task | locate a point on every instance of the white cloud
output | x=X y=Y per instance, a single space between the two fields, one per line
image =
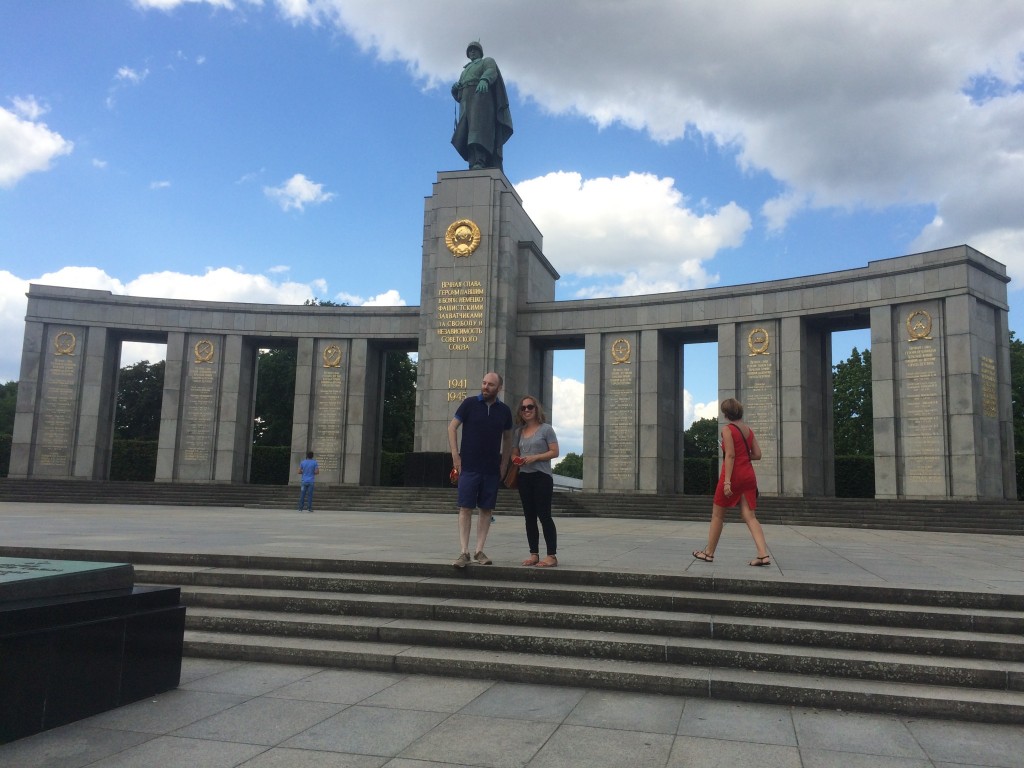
x=848 y=105
x=389 y=298
x=129 y=75
x=27 y=146
x=221 y=284
x=638 y=227
x=159 y=184
x=566 y=414
x=297 y=193
x=170 y=5
x=29 y=108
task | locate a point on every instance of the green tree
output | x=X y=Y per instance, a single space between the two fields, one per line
x=399 y=403
x=701 y=439
x=570 y=466
x=1016 y=390
x=140 y=391
x=851 y=406
x=275 y=397
x=8 y=401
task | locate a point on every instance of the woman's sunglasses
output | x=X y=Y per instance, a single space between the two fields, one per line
x=527 y=407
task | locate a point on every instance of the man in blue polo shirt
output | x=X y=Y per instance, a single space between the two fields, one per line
x=486 y=446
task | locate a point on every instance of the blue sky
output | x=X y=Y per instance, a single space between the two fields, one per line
x=276 y=150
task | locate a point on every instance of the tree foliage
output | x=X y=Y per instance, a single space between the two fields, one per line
x=8 y=401
x=140 y=390
x=852 y=414
x=701 y=439
x=275 y=397
x=399 y=403
x=1017 y=390
x=570 y=466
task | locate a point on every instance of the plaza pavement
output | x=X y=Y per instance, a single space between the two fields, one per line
x=279 y=716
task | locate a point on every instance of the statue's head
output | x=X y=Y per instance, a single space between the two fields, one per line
x=474 y=46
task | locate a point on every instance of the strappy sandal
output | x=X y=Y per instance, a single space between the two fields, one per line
x=759 y=561
x=548 y=562
x=532 y=560
x=700 y=554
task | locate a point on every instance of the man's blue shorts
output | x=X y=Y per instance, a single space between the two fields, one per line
x=478 y=490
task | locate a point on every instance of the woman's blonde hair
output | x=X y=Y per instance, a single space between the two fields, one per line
x=733 y=409
x=542 y=417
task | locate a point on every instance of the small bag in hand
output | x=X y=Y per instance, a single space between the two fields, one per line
x=511 y=479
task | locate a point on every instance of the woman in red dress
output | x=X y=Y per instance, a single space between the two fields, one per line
x=737 y=484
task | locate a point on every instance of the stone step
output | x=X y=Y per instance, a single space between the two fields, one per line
x=812 y=634
x=299 y=584
x=984 y=516
x=941 y=653
x=947 y=702
x=622 y=646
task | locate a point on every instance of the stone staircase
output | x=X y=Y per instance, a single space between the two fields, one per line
x=946 y=515
x=913 y=652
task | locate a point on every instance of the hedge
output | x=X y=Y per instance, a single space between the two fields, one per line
x=270 y=465
x=855 y=477
x=699 y=476
x=133 y=460
x=5 y=454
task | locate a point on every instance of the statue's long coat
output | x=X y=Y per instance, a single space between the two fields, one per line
x=484 y=118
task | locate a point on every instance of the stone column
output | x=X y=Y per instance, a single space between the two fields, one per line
x=755 y=350
x=199 y=412
x=26 y=415
x=235 y=414
x=364 y=416
x=922 y=405
x=883 y=402
x=660 y=424
x=170 y=408
x=302 y=409
x=94 y=438
x=620 y=412
x=49 y=402
x=978 y=460
x=807 y=456
x=593 y=450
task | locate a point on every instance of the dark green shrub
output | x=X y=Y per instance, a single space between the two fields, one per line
x=392 y=468
x=5 y=455
x=855 y=477
x=699 y=476
x=271 y=465
x=133 y=460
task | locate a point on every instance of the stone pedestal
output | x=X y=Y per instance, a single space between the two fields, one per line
x=482 y=261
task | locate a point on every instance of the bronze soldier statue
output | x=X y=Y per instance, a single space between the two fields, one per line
x=485 y=123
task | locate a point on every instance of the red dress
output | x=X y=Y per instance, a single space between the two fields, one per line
x=743 y=480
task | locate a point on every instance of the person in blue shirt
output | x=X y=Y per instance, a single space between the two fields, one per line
x=309 y=469
x=486 y=424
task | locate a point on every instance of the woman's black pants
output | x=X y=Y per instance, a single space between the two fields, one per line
x=535 y=491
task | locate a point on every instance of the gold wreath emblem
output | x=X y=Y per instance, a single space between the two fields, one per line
x=620 y=351
x=758 y=342
x=203 y=351
x=919 y=325
x=462 y=237
x=332 y=356
x=64 y=343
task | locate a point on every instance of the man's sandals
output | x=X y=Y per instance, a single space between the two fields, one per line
x=700 y=554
